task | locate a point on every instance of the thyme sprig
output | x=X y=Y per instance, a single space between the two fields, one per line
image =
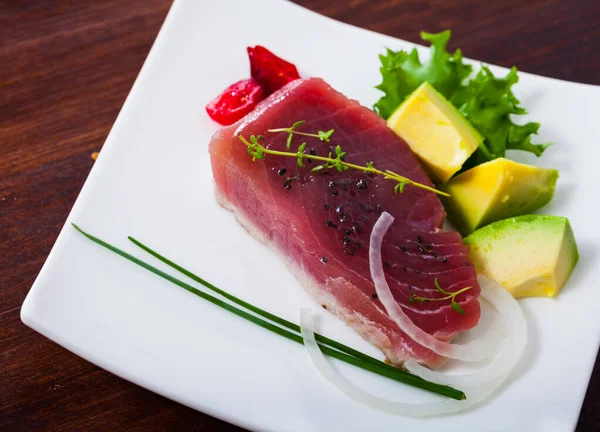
x=447 y=296
x=258 y=151
x=291 y=131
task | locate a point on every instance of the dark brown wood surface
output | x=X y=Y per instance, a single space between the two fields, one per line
x=65 y=70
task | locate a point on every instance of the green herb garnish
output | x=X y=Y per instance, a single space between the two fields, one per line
x=291 y=131
x=335 y=349
x=257 y=151
x=255 y=309
x=447 y=296
x=486 y=101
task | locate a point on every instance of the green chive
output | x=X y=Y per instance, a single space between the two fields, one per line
x=386 y=370
x=281 y=321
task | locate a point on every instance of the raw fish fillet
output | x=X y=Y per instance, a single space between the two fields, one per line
x=319 y=223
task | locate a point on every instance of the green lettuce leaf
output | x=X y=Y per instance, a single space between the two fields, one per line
x=486 y=101
x=402 y=72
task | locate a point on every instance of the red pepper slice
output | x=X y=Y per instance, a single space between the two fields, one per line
x=269 y=70
x=235 y=102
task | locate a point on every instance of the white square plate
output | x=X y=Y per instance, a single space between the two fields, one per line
x=153 y=181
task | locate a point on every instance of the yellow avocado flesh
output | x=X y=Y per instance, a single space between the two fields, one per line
x=531 y=256
x=497 y=190
x=435 y=131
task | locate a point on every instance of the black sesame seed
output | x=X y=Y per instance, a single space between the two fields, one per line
x=339 y=209
x=421 y=249
x=261 y=138
x=330 y=223
x=403 y=268
x=374 y=295
x=312 y=152
x=419 y=239
x=378 y=208
x=335 y=193
x=326 y=206
x=324 y=259
x=282 y=171
x=287 y=184
x=348 y=232
x=387 y=264
x=362 y=184
x=356 y=228
x=403 y=248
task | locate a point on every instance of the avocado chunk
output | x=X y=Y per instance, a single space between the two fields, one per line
x=435 y=131
x=530 y=255
x=497 y=190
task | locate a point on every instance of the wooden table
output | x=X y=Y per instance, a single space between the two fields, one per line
x=65 y=70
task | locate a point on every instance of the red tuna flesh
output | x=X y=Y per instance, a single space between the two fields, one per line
x=319 y=223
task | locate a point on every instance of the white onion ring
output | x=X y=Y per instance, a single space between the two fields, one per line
x=323 y=366
x=427 y=409
x=475 y=395
x=477 y=350
x=513 y=346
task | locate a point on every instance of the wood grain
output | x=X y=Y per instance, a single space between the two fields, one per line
x=65 y=70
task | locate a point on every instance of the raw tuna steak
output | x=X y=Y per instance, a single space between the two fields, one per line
x=319 y=223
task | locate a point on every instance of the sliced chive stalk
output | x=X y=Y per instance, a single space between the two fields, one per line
x=392 y=373
x=281 y=321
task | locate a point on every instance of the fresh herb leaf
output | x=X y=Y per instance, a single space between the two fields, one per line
x=486 y=101
x=399 y=188
x=298 y=123
x=457 y=308
x=300 y=155
x=324 y=136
